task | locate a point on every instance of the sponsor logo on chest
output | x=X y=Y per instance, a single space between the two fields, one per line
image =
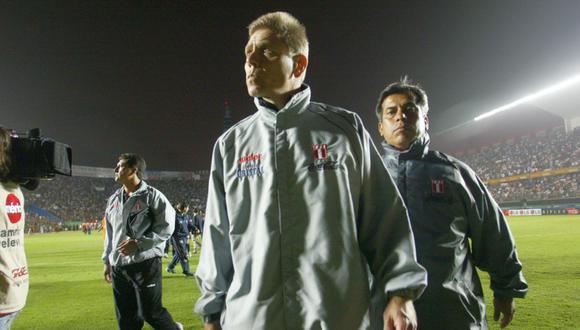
x=250 y=165
x=13 y=208
x=115 y=205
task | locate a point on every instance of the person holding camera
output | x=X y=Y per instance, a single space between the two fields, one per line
x=13 y=265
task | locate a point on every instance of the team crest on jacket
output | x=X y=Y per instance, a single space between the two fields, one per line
x=250 y=165
x=437 y=186
x=322 y=161
x=137 y=207
x=13 y=208
x=319 y=151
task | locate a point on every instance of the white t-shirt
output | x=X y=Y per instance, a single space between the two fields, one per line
x=13 y=267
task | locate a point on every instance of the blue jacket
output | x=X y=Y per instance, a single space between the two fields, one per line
x=449 y=206
x=182 y=225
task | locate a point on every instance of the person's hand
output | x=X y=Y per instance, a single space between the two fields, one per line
x=212 y=326
x=400 y=314
x=128 y=247
x=505 y=306
x=107 y=273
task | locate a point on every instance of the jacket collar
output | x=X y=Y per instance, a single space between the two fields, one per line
x=417 y=150
x=140 y=190
x=297 y=104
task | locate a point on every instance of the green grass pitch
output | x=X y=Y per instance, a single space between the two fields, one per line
x=67 y=290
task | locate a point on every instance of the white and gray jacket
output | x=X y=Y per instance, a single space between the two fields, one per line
x=298 y=210
x=146 y=216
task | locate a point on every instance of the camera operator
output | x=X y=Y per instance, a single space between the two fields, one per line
x=13 y=267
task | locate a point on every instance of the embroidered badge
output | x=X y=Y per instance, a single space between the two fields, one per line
x=437 y=186
x=319 y=151
x=322 y=162
x=250 y=165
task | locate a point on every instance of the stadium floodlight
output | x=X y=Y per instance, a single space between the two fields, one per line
x=531 y=97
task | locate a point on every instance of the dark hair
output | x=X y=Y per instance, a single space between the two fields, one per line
x=134 y=161
x=4 y=160
x=181 y=206
x=407 y=87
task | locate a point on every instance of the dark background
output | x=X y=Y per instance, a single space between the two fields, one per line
x=152 y=76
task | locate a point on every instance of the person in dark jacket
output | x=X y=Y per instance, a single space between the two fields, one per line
x=197 y=229
x=449 y=207
x=179 y=240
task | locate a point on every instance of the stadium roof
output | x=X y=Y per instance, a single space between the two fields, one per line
x=543 y=110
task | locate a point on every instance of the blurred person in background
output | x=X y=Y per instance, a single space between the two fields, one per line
x=449 y=207
x=179 y=239
x=197 y=231
x=13 y=265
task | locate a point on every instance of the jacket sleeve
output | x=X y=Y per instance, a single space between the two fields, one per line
x=493 y=247
x=215 y=270
x=108 y=245
x=385 y=233
x=163 y=222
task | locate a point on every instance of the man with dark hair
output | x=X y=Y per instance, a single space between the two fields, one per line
x=139 y=219
x=179 y=240
x=449 y=207
x=13 y=265
x=197 y=229
x=298 y=210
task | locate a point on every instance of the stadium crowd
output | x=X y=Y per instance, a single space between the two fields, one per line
x=546 y=188
x=551 y=150
x=82 y=199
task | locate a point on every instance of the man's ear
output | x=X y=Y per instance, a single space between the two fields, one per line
x=426 y=119
x=380 y=126
x=300 y=65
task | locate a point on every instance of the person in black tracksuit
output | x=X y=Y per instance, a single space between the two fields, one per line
x=179 y=240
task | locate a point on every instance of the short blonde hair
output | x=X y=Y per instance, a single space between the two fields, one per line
x=286 y=27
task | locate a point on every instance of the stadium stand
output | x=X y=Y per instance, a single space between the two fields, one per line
x=548 y=150
x=544 y=166
x=64 y=201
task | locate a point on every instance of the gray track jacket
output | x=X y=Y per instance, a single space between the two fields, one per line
x=448 y=206
x=297 y=206
x=146 y=216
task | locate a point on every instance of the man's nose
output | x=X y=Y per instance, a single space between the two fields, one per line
x=252 y=58
x=401 y=115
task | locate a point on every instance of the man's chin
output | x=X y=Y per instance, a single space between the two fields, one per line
x=253 y=90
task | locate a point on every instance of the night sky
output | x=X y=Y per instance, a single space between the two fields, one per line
x=152 y=76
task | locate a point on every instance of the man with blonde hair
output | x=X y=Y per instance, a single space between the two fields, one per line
x=298 y=210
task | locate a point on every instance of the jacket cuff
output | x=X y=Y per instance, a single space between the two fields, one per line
x=210 y=318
